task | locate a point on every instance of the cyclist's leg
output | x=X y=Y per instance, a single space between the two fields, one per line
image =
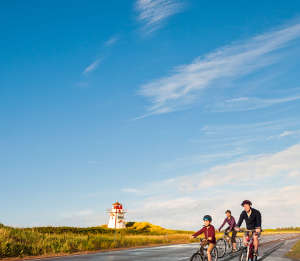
x=255 y=241
x=233 y=239
x=245 y=239
x=227 y=231
x=227 y=237
x=209 y=249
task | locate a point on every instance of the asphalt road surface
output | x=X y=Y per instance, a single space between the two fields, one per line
x=163 y=253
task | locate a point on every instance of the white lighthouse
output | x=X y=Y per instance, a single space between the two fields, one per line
x=117 y=216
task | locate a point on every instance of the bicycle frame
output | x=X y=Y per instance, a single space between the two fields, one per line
x=250 y=246
x=203 y=248
x=228 y=239
x=250 y=243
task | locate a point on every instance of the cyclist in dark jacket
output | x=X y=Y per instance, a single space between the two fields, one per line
x=252 y=218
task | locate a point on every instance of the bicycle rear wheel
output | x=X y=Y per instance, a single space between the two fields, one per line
x=196 y=257
x=221 y=247
x=228 y=247
x=239 y=242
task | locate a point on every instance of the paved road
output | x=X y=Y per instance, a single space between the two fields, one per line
x=163 y=253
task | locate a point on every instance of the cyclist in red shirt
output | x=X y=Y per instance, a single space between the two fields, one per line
x=209 y=233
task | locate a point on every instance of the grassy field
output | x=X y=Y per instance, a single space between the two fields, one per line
x=50 y=241
x=295 y=251
x=41 y=241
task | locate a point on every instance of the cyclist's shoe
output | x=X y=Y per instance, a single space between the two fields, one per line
x=256 y=256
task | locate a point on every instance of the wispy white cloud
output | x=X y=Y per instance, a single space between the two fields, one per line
x=111 y=41
x=152 y=13
x=95 y=64
x=253 y=168
x=187 y=82
x=92 y=67
x=248 y=103
x=284 y=134
x=270 y=180
x=186 y=212
x=201 y=158
x=246 y=136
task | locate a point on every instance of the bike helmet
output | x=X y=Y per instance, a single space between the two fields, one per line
x=246 y=202
x=207 y=217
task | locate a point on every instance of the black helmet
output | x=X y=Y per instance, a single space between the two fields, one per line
x=246 y=202
x=207 y=217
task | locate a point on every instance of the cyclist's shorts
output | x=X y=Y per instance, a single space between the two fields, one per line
x=233 y=240
x=254 y=233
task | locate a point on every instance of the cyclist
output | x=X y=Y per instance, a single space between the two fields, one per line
x=252 y=218
x=231 y=222
x=210 y=235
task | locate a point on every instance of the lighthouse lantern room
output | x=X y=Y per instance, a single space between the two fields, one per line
x=117 y=216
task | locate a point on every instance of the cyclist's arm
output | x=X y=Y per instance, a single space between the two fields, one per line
x=258 y=220
x=241 y=219
x=198 y=232
x=213 y=236
x=223 y=224
x=232 y=224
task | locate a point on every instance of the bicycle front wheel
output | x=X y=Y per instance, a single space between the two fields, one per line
x=214 y=254
x=221 y=247
x=196 y=257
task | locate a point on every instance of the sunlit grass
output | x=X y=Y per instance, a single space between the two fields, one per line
x=295 y=251
x=28 y=242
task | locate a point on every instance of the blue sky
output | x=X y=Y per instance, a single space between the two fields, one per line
x=175 y=108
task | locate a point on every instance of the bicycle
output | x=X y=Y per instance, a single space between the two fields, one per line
x=247 y=253
x=201 y=254
x=224 y=244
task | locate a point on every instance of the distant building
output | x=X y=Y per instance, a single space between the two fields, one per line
x=117 y=216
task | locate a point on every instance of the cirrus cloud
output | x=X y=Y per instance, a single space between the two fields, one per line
x=153 y=13
x=186 y=83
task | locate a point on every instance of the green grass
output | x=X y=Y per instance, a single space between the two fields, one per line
x=295 y=251
x=285 y=229
x=132 y=228
x=20 y=242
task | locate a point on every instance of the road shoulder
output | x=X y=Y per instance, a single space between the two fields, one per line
x=280 y=254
